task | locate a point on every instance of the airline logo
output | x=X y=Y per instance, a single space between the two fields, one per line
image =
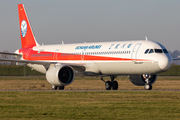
x=23 y=28
x=88 y=47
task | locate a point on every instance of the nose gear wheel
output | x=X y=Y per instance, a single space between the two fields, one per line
x=147 y=78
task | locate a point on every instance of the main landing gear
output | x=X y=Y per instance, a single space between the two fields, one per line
x=147 y=85
x=111 y=84
x=55 y=87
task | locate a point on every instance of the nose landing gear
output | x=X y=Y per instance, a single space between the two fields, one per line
x=147 y=78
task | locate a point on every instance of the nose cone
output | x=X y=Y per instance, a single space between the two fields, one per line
x=165 y=62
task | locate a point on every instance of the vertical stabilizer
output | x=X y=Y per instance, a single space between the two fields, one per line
x=27 y=37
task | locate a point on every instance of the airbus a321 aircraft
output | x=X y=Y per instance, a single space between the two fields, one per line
x=140 y=60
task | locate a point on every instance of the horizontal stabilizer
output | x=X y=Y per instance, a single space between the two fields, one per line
x=178 y=58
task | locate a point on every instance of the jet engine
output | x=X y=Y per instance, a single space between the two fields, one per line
x=60 y=75
x=139 y=80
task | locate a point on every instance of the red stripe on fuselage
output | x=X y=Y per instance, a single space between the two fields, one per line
x=29 y=54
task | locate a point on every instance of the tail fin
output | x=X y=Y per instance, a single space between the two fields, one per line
x=27 y=37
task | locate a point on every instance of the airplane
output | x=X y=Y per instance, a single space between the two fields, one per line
x=140 y=60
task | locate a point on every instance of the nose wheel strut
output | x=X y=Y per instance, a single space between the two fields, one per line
x=147 y=78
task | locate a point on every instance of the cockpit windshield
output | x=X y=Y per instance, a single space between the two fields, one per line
x=158 y=51
x=146 y=51
x=165 y=51
x=149 y=51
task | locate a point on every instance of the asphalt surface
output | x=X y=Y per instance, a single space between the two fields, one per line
x=81 y=90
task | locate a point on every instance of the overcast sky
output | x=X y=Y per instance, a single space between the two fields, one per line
x=74 y=21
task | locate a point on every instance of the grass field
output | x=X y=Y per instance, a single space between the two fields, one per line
x=105 y=105
x=87 y=105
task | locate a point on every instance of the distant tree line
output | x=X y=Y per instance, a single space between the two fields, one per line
x=14 y=70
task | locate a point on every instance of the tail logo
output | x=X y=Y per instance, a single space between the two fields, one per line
x=23 y=28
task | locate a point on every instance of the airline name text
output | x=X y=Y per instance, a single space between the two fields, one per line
x=88 y=47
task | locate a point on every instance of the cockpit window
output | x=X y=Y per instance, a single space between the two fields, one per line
x=146 y=51
x=158 y=51
x=151 y=51
x=165 y=51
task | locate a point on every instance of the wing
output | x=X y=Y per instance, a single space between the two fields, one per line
x=26 y=61
x=6 y=53
x=76 y=66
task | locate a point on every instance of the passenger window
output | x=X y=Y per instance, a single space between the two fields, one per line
x=146 y=51
x=151 y=51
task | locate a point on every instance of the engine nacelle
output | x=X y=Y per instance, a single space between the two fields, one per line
x=60 y=75
x=140 y=81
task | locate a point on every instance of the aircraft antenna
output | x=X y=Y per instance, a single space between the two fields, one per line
x=62 y=43
x=146 y=38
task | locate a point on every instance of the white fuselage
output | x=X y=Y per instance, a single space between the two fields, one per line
x=105 y=58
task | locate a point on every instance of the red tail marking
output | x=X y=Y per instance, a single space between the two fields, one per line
x=27 y=37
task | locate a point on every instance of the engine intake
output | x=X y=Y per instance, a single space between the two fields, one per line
x=139 y=80
x=60 y=75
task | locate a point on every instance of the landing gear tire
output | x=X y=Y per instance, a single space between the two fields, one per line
x=108 y=85
x=115 y=85
x=61 y=87
x=111 y=84
x=54 y=87
x=147 y=86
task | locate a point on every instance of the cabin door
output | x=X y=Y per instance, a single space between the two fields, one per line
x=82 y=54
x=55 y=55
x=27 y=53
x=135 y=51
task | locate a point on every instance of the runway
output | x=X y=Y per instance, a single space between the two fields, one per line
x=82 y=90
